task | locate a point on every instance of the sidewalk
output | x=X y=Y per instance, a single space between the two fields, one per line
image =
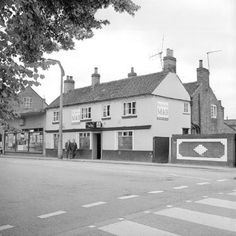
x=41 y=157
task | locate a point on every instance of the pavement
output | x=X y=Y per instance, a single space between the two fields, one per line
x=41 y=157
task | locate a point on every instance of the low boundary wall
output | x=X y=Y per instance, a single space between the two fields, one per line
x=214 y=149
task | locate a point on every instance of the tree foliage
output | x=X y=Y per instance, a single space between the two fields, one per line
x=31 y=28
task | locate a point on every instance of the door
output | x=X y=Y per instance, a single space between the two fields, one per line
x=96 y=151
x=99 y=146
x=160 y=149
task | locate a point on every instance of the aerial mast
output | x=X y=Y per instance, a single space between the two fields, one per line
x=208 y=60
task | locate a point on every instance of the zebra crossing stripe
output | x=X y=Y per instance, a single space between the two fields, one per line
x=218 y=203
x=4 y=227
x=233 y=193
x=130 y=228
x=214 y=221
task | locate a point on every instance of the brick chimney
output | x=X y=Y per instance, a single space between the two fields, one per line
x=69 y=84
x=169 y=61
x=95 y=77
x=132 y=73
x=202 y=75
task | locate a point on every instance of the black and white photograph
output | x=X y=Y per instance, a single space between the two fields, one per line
x=117 y=117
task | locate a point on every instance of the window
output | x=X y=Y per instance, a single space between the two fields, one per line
x=213 y=111
x=185 y=130
x=186 y=107
x=56 y=116
x=55 y=140
x=86 y=113
x=125 y=140
x=75 y=116
x=106 y=111
x=27 y=102
x=84 y=140
x=129 y=108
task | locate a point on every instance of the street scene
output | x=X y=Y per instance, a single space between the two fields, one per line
x=117 y=117
x=53 y=197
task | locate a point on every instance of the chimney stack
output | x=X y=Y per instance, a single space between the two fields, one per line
x=203 y=75
x=69 y=84
x=132 y=73
x=95 y=77
x=169 y=61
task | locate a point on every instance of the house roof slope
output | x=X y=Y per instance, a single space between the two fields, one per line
x=129 y=87
x=191 y=87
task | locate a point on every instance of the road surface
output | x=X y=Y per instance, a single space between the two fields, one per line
x=58 y=197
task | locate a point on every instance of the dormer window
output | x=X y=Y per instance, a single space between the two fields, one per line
x=27 y=102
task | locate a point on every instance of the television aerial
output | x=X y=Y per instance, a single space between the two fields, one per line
x=159 y=53
x=208 y=60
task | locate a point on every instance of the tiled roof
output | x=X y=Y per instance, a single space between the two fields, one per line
x=230 y=122
x=191 y=87
x=129 y=87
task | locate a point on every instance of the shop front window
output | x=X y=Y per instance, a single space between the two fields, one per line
x=10 y=142
x=36 y=142
x=84 y=140
x=22 y=141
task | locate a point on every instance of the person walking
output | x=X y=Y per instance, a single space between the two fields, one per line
x=73 y=149
x=67 y=148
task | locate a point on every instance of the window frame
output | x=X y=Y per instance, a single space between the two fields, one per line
x=86 y=113
x=130 y=108
x=125 y=133
x=106 y=111
x=213 y=111
x=84 y=135
x=27 y=102
x=56 y=117
x=186 y=108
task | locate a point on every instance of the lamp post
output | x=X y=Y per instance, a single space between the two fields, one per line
x=60 y=154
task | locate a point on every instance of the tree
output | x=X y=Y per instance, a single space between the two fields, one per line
x=31 y=28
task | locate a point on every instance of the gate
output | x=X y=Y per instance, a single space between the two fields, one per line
x=160 y=149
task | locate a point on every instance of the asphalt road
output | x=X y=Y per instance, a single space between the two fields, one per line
x=58 y=197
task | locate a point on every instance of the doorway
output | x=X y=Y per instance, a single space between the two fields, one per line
x=97 y=146
x=160 y=149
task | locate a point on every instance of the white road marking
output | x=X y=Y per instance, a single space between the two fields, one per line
x=215 y=221
x=92 y=226
x=203 y=183
x=233 y=193
x=121 y=218
x=129 y=228
x=190 y=177
x=169 y=205
x=51 y=214
x=188 y=201
x=218 y=203
x=220 y=193
x=93 y=204
x=180 y=187
x=4 y=227
x=127 y=197
x=221 y=180
x=156 y=191
x=205 y=196
x=146 y=212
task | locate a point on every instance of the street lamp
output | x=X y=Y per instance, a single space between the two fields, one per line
x=60 y=154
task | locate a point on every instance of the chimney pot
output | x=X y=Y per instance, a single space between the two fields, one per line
x=95 y=77
x=200 y=64
x=169 y=61
x=132 y=73
x=203 y=75
x=69 y=84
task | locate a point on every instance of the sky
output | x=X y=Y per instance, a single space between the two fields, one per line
x=190 y=27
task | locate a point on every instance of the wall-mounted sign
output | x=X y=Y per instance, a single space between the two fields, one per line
x=75 y=116
x=93 y=125
x=162 y=111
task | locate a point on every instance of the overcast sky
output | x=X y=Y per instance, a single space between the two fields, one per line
x=190 y=27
